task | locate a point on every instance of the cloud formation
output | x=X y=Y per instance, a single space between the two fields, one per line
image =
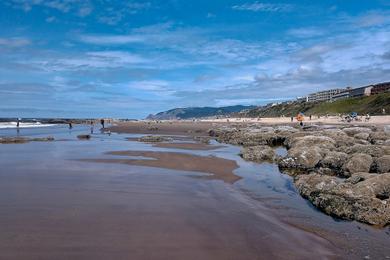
x=152 y=56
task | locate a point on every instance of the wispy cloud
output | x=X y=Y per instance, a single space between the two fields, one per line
x=306 y=32
x=110 y=39
x=14 y=42
x=83 y=8
x=263 y=7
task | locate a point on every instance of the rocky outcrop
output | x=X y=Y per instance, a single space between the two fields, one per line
x=154 y=139
x=302 y=158
x=84 y=137
x=334 y=161
x=312 y=140
x=258 y=153
x=382 y=164
x=21 y=140
x=344 y=172
x=351 y=131
x=359 y=162
x=366 y=198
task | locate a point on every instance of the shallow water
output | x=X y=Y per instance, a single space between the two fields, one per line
x=53 y=206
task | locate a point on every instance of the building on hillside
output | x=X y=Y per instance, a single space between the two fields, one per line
x=341 y=95
x=360 y=92
x=302 y=99
x=380 y=88
x=325 y=95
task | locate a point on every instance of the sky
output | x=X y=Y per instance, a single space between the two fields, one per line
x=127 y=59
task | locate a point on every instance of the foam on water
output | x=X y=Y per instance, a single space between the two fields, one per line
x=4 y=125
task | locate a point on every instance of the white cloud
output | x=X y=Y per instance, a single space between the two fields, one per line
x=263 y=7
x=307 y=32
x=14 y=42
x=110 y=39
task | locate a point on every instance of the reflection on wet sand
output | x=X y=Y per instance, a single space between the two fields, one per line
x=188 y=146
x=219 y=168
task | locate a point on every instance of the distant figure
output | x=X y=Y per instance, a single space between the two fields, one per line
x=70 y=125
x=102 y=122
x=17 y=123
x=300 y=119
x=292 y=119
x=368 y=117
x=384 y=111
x=310 y=117
x=91 y=127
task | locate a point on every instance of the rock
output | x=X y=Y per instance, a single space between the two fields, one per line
x=284 y=128
x=373 y=150
x=358 y=177
x=378 y=137
x=84 y=137
x=359 y=162
x=302 y=158
x=13 y=140
x=351 y=131
x=386 y=129
x=202 y=139
x=334 y=160
x=21 y=140
x=312 y=140
x=42 y=139
x=382 y=164
x=258 y=153
x=365 y=200
x=154 y=139
x=362 y=136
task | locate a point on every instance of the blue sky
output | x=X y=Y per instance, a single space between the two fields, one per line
x=126 y=59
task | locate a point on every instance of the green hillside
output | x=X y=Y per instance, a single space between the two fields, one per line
x=362 y=105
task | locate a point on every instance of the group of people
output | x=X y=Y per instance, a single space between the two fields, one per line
x=102 y=122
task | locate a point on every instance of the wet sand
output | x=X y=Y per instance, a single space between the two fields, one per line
x=187 y=128
x=188 y=146
x=113 y=205
x=218 y=168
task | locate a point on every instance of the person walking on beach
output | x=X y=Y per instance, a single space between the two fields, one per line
x=102 y=122
x=70 y=125
x=91 y=127
x=17 y=123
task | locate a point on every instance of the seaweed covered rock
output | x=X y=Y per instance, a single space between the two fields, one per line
x=351 y=131
x=302 y=158
x=382 y=164
x=258 y=153
x=154 y=139
x=334 y=160
x=359 y=162
x=366 y=200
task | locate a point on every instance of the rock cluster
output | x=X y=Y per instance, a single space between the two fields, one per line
x=154 y=139
x=21 y=140
x=344 y=171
